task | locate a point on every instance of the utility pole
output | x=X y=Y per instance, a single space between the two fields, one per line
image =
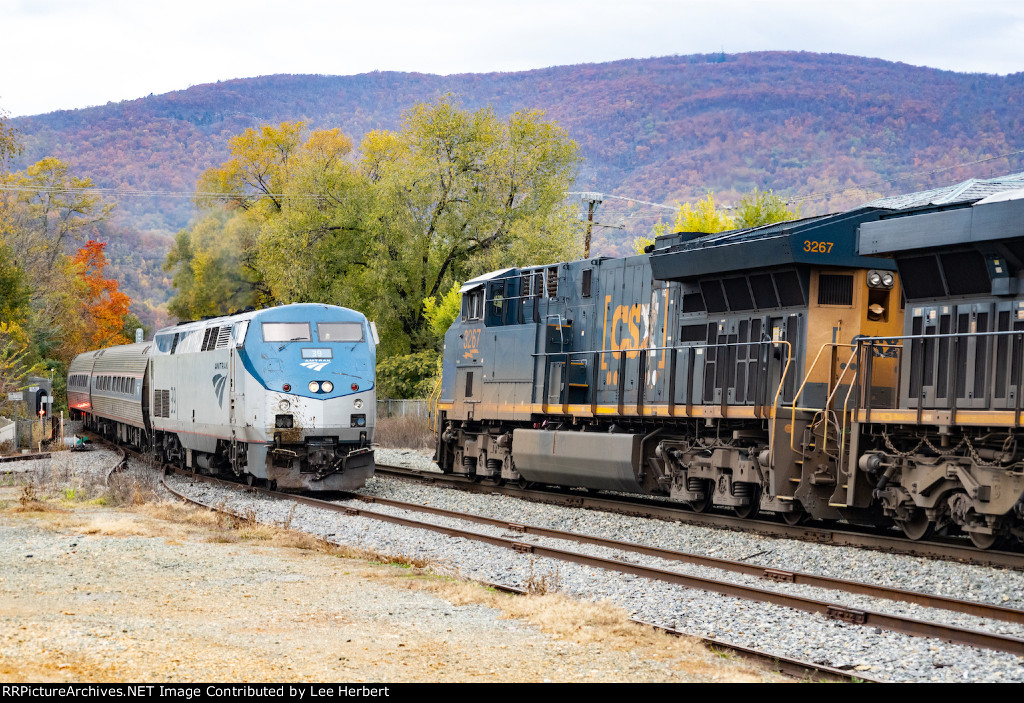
x=593 y=200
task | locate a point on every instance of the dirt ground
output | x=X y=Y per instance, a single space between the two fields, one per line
x=163 y=592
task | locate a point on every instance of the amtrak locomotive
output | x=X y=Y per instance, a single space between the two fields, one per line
x=283 y=396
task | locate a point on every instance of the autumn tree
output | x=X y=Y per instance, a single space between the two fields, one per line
x=105 y=306
x=754 y=209
x=758 y=208
x=10 y=147
x=451 y=194
x=209 y=271
x=456 y=193
x=48 y=210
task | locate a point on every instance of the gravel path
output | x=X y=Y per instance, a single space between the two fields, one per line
x=879 y=654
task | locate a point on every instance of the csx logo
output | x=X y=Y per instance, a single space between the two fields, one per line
x=882 y=348
x=625 y=329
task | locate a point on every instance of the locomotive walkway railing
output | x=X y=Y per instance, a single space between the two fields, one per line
x=957 y=362
x=723 y=381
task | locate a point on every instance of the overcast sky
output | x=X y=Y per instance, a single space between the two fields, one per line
x=62 y=54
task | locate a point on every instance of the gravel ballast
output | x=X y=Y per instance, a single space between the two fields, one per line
x=879 y=654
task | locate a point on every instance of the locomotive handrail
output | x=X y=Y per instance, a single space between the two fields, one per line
x=956 y=339
x=642 y=352
x=432 y=400
x=832 y=391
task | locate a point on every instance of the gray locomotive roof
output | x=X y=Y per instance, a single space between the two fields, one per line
x=688 y=255
x=968 y=191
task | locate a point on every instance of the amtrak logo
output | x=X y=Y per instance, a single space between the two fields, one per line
x=315 y=365
x=218 y=388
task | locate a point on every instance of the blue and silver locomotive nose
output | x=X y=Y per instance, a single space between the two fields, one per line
x=315 y=366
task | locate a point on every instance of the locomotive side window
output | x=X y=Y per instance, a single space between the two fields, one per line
x=790 y=291
x=965 y=272
x=473 y=306
x=339 y=331
x=921 y=277
x=286 y=332
x=588 y=275
x=693 y=302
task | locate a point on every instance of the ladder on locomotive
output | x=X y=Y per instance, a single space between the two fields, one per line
x=824 y=439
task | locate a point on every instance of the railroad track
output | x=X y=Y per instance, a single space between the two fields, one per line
x=24 y=457
x=790 y=667
x=885 y=621
x=905 y=625
x=848 y=536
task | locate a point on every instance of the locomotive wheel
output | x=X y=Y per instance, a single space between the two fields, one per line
x=918 y=526
x=982 y=540
x=752 y=508
x=704 y=504
x=797 y=517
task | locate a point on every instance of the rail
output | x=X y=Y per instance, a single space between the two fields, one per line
x=788 y=666
x=885 y=621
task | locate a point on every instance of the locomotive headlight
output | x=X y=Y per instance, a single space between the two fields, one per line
x=357 y=403
x=314 y=387
x=284 y=405
x=887 y=280
x=327 y=386
x=874 y=278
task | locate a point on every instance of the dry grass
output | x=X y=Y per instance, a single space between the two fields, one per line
x=403 y=433
x=541 y=583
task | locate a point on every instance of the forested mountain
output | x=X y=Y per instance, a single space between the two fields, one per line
x=657 y=129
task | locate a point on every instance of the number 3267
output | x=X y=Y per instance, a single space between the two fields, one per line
x=820 y=247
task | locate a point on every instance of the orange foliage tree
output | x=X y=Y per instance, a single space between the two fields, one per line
x=105 y=306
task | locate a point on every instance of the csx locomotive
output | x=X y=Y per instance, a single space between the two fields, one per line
x=864 y=366
x=285 y=396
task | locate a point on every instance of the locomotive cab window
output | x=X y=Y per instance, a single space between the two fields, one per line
x=286 y=332
x=495 y=303
x=339 y=331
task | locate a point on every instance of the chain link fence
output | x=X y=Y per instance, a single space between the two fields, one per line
x=403 y=408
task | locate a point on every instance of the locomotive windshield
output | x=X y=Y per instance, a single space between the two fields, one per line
x=286 y=332
x=340 y=331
